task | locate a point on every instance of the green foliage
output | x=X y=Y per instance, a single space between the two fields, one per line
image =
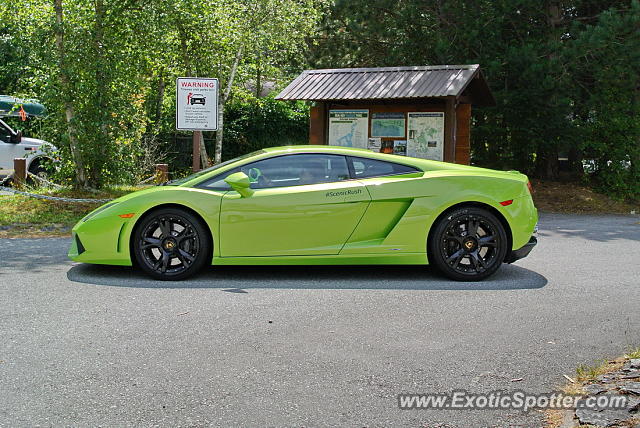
x=107 y=71
x=264 y=122
x=565 y=74
x=607 y=66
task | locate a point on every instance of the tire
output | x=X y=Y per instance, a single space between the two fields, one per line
x=171 y=244
x=468 y=244
x=39 y=169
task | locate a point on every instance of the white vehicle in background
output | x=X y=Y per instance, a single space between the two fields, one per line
x=14 y=145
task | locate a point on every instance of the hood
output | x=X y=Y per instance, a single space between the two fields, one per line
x=34 y=142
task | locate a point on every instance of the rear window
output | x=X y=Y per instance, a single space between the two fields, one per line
x=368 y=168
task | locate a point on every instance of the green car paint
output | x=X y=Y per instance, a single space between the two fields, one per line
x=379 y=220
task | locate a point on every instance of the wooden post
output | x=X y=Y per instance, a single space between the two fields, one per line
x=196 y=150
x=162 y=172
x=450 y=129
x=317 y=124
x=463 y=126
x=19 y=171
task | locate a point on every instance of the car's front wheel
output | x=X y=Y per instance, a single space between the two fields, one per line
x=468 y=244
x=171 y=244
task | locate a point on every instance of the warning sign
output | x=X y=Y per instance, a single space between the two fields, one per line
x=196 y=104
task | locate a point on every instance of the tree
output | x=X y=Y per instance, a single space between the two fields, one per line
x=538 y=58
x=105 y=82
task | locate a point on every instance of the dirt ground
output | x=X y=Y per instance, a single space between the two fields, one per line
x=572 y=198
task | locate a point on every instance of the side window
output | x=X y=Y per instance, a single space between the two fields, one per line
x=289 y=170
x=218 y=182
x=367 y=168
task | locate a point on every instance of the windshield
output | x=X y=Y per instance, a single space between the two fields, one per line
x=182 y=180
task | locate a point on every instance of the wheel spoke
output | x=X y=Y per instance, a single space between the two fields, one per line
x=183 y=237
x=472 y=227
x=182 y=254
x=474 y=260
x=151 y=243
x=165 y=261
x=478 y=258
x=165 y=228
x=487 y=241
x=455 y=258
x=450 y=236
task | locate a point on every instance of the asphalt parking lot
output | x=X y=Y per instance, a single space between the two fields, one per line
x=89 y=345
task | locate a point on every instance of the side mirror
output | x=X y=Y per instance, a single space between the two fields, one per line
x=239 y=181
x=16 y=138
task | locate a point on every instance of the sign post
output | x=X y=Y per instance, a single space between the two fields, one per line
x=196 y=109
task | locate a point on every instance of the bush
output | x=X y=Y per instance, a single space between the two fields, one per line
x=251 y=125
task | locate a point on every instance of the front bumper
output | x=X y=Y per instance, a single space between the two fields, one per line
x=521 y=252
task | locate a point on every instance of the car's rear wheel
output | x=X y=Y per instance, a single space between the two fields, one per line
x=171 y=244
x=468 y=244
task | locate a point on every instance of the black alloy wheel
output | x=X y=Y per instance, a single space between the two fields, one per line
x=171 y=244
x=469 y=244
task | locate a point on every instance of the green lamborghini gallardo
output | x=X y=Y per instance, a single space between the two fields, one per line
x=317 y=205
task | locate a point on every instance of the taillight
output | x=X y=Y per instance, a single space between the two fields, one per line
x=530 y=187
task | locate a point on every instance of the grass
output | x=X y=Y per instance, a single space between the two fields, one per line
x=633 y=354
x=23 y=216
x=586 y=374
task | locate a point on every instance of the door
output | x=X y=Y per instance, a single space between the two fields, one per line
x=386 y=226
x=303 y=204
x=9 y=151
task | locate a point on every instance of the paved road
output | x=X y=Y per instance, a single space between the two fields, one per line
x=85 y=346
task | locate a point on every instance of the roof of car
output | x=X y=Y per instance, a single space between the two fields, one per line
x=346 y=151
x=315 y=148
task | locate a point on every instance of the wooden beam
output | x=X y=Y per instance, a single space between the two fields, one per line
x=19 y=171
x=162 y=173
x=196 y=150
x=463 y=128
x=317 y=124
x=450 y=129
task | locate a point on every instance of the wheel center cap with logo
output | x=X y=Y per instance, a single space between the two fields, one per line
x=170 y=244
x=469 y=244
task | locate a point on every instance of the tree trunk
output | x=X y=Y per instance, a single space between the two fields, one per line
x=575 y=162
x=221 y=103
x=65 y=85
x=218 y=149
x=159 y=101
x=547 y=161
x=258 y=76
x=100 y=93
x=204 y=158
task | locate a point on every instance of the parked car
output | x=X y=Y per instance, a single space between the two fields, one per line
x=317 y=205
x=14 y=145
x=198 y=99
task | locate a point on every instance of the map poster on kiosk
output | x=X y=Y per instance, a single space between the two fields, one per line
x=425 y=137
x=387 y=125
x=349 y=128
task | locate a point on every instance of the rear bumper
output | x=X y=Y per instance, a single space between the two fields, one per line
x=521 y=252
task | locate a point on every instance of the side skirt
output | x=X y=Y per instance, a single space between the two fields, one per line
x=351 y=259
